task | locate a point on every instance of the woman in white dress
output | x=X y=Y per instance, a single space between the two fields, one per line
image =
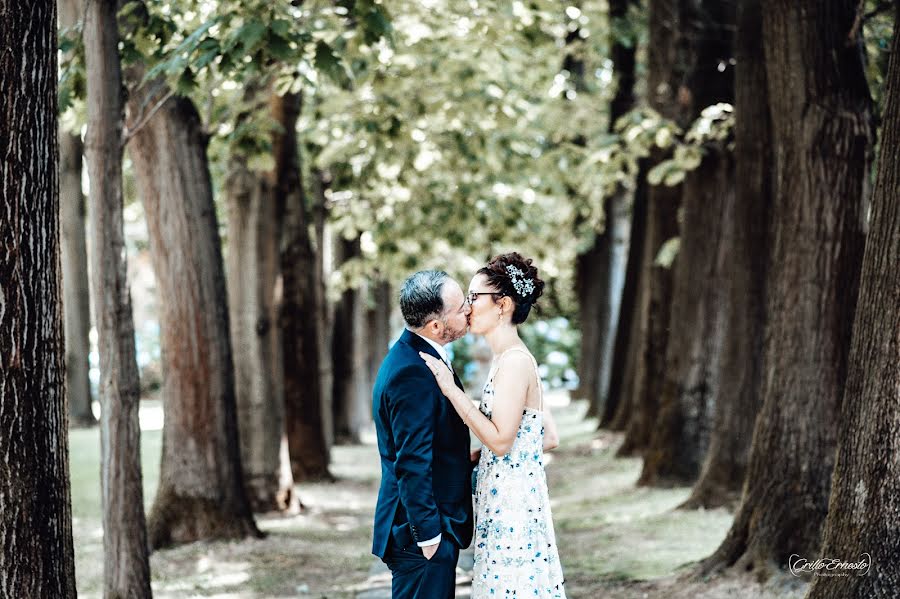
x=515 y=545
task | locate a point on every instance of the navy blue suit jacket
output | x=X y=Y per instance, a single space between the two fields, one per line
x=424 y=447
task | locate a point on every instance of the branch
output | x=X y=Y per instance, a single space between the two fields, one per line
x=862 y=17
x=132 y=131
x=857 y=24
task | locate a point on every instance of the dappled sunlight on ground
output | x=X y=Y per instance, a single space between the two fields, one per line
x=616 y=540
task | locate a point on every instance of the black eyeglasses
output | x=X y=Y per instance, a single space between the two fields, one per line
x=473 y=295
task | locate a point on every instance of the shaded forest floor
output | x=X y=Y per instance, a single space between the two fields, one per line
x=616 y=541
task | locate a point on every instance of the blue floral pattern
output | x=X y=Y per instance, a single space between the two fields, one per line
x=515 y=546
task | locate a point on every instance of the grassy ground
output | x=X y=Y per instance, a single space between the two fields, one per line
x=616 y=541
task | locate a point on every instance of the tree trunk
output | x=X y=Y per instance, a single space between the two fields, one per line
x=652 y=331
x=617 y=225
x=126 y=559
x=378 y=331
x=680 y=436
x=324 y=249
x=591 y=276
x=652 y=310
x=821 y=133
x=744 y=244
x=201 y=493
x=864 y=510
x=598 y=269
x=616 y=406
x=37 y=559
x=76 y=289
x=686 y=386
x=352 y=402
x=300 y=333
x=253 y=269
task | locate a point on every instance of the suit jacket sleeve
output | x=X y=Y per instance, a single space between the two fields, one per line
x=414 y=406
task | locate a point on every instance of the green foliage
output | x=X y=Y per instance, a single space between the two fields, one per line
x=72 y=77
x=667 y=253
x=450 y=130
x=877 y=33
x=455 y=141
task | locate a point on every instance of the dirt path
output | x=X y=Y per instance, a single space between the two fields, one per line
x=616 y=541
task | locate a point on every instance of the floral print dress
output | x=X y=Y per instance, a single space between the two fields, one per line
x=515 y=546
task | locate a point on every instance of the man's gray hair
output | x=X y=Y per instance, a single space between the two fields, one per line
x=421 y=298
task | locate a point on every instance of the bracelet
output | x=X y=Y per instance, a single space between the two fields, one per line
x=468 y=413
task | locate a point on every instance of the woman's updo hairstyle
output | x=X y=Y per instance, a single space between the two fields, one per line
x=515 y=277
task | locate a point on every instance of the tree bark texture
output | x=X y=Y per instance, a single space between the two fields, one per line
x=299 y=331
x=821 y=135
x=603 y=283
x=201 y=493
x=126 y=559
x=37 y=559
x=680 y=436
x=744 y=245
x=653 y=324
x=616 y=406
x=76 y=288
x=864 y=510
x=352 y=399
x=253 y=277
x=648 y=358
x=618 y=212
x=591 y=276
x=325 y=312
x=617 y=234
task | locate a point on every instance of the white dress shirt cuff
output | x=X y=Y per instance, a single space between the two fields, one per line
x=430 y=542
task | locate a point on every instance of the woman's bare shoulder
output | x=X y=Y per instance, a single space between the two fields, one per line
x=514 y=362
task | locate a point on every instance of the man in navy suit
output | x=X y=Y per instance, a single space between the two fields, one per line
x=424 y=511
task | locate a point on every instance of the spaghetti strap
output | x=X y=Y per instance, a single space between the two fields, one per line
x=537 y=374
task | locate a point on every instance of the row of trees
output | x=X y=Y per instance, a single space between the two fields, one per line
x=767 y=351
x=225 y=100
x=339 y=169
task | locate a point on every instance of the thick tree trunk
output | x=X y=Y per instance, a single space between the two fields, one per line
x=201 y=492
x=821 y=134
x=652 y=310
x=300 y=333
x=76 y=289
x=680 y=436
x=692 y=336
x=864 y=510
x=653 y=325
x=253 y=269
x=126 y=559
x=744 y=246
x=37 y=559
x=352 y=401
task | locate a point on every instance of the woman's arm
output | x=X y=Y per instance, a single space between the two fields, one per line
x=498 y=432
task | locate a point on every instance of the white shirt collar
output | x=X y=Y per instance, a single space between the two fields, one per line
x=437 y=346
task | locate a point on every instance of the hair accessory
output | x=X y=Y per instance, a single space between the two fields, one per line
x=524 y=286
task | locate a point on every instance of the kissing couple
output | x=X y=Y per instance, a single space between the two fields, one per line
x=423 y=417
